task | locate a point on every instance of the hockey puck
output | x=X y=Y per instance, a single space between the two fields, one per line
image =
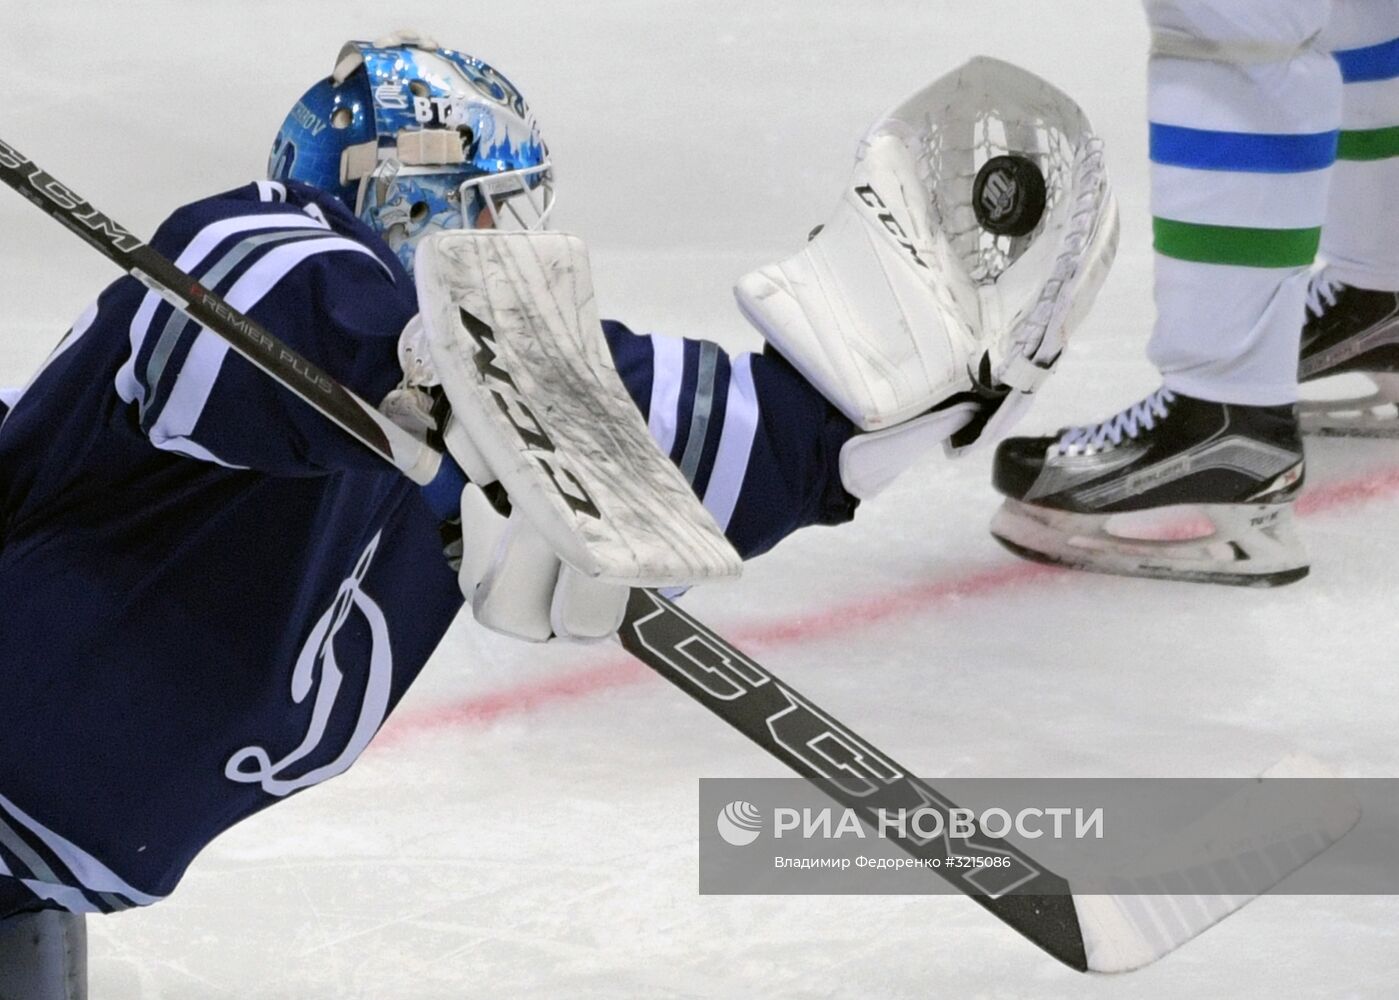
x=1008 y=195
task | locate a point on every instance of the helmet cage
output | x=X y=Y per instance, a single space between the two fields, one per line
x=405 y=203
x=526 y=194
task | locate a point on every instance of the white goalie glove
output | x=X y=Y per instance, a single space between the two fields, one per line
x=569 y=504
x=972 y=238
x=518 y=585
x=514 y=581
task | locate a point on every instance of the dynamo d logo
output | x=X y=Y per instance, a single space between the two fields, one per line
x=740 y=823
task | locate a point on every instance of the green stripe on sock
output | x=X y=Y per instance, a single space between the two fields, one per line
x=1369 y=144
x=1236 y=245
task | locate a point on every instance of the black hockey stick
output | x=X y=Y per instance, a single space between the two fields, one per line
x=1036 y=902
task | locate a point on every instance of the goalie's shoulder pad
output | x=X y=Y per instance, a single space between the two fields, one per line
x=869 y=311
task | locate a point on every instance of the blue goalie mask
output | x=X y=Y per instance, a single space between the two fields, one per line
x=417 y=138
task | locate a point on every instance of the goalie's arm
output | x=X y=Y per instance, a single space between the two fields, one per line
x=757 y=443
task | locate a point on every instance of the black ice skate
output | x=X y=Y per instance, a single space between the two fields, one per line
x=1351 y=330
x=1239 y=466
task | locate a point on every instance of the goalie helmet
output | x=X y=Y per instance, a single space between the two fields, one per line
x=416 y=138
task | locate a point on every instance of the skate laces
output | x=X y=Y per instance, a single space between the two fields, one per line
x=1321 y=292
x=1129 y=423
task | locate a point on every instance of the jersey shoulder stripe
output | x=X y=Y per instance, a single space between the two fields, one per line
x=244 y=246
x=193 y=259
x=170 y=425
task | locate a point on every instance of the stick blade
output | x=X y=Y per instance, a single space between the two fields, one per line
x=1125 y=931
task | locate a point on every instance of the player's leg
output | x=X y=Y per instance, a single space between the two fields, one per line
x=1244 y=107
x=43 y=953
x=1353 y=310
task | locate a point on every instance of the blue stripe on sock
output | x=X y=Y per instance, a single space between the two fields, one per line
x=1373 y=62
x=1245 y=152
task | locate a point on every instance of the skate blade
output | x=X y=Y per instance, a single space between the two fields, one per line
x=1350 y=425
x=1253 y=545
x=1373 y=415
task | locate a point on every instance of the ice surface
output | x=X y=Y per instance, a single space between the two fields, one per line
x=526 y=824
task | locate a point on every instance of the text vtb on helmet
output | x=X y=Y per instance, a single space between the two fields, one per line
x=415 y=138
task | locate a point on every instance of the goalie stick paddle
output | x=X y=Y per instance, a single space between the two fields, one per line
x=1088 y=933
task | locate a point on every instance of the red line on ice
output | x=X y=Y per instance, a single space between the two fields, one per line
x=621 y=670
x=1349 y=493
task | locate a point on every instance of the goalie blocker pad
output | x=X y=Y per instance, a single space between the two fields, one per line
x=513 y=330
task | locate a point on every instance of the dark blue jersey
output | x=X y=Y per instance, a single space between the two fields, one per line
x=211 y=598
